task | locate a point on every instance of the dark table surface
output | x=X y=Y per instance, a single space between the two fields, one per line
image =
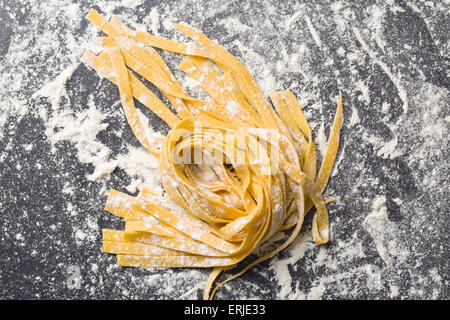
x=389 y=223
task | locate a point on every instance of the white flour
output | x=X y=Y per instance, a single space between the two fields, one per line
x=41 y=71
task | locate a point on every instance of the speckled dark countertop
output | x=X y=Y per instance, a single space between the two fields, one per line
x=390 y=223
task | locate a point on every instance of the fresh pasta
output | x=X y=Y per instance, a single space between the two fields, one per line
x=236 y=170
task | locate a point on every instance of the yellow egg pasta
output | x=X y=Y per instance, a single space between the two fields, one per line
x=236 y=170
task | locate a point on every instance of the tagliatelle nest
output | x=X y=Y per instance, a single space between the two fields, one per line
x=236 y=170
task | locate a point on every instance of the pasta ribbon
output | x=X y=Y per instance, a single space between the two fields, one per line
x=235 y=171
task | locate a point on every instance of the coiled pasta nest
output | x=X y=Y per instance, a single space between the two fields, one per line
x=236 y=171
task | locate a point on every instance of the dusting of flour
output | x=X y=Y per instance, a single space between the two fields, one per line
x=389 y=180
